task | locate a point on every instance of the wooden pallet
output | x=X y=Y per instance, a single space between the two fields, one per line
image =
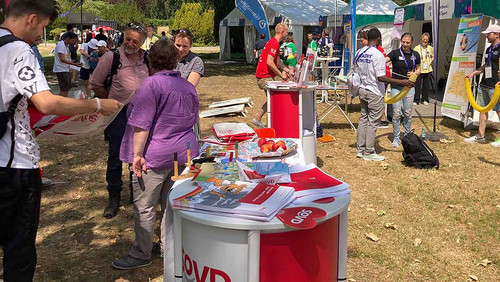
x=246 y=101
x=237 y=109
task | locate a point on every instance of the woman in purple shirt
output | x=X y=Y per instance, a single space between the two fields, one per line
x=160 y=124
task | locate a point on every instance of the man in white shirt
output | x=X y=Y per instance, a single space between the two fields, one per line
x=370 y=65
x=20 y=181
x=62 y=61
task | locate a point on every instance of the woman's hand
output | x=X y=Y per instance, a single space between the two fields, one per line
x=139 y=165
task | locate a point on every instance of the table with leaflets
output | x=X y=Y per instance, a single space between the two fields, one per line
x=210 y=247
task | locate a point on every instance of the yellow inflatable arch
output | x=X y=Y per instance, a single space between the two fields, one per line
x=391 y=100
x=473 y=102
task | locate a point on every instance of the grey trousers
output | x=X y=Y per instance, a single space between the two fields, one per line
x=149 y=191
x=372 y=107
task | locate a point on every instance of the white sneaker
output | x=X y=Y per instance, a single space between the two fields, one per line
x=359 y=155
x=373 y=157
x=425 y=103
x=496 y=143
x=257 y=123
x=476 y=139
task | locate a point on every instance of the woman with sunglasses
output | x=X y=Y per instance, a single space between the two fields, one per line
x=190 y=65
x=405 y=62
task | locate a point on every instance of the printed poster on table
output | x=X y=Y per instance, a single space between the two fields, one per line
x=455 y=102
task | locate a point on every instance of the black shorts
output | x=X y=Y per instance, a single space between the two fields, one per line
x=85 y=73
x=64 y=79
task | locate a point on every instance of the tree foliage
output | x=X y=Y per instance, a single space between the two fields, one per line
x=200 y=22
x=156 y=12
x=123 y=13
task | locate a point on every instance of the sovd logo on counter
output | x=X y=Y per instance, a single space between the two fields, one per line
x=300 y=217
x=194 y=272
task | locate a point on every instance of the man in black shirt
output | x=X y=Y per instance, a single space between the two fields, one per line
x=487 y=86
x=101 y=35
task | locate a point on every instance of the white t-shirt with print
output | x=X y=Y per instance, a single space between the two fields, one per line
x=370 y=66
x=21 y=74
x=84 y=60
x=59 y=66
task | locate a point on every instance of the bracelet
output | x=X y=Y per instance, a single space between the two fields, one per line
x=98 y=109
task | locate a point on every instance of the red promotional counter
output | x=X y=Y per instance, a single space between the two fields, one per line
x=291 y=111
x=222 y=249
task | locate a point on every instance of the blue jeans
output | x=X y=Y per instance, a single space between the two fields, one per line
x=484 y=95
x=113 y=134
x=401 y=107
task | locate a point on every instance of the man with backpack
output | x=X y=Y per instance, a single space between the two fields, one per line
x=369 y=64
x=119 y=75
x=20 y=180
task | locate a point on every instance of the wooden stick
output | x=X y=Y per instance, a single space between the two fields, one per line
x=188 y=151
x=207 y=150
x=176 y=165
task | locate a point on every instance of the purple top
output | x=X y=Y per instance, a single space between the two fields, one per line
x=167 y=106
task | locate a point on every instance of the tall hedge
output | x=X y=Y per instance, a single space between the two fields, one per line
x=199 y=22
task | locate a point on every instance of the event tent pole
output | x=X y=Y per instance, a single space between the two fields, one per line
x=335 y=25
x=81 y=21
x=434 y=135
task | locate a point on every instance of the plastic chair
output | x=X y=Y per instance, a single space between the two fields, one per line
x=265 y=132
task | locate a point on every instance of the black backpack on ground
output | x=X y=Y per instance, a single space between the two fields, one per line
x=417 y=153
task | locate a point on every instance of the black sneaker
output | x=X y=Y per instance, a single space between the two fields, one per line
x=383 y=124
x=157 y=249
x=114 y=204
x=129 y=262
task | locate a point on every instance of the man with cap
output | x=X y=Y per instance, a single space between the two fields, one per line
x=101 y=45
x=487 y=86
x=86 y=70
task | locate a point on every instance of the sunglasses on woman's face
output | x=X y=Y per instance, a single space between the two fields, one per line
x=136 y=27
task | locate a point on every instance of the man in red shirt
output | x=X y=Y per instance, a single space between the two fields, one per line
x=267 y=67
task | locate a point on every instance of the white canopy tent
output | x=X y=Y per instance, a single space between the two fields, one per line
x=371 y=13
x=295 y=13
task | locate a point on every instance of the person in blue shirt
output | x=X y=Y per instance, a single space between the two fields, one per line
x=38 y=56
x=259 y=45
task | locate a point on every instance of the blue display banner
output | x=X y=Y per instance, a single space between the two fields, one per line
x=353 y=25
x=253 y=10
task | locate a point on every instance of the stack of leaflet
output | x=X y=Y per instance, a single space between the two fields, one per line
x=256 y=201
x=231 y=132
x=311 y=184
